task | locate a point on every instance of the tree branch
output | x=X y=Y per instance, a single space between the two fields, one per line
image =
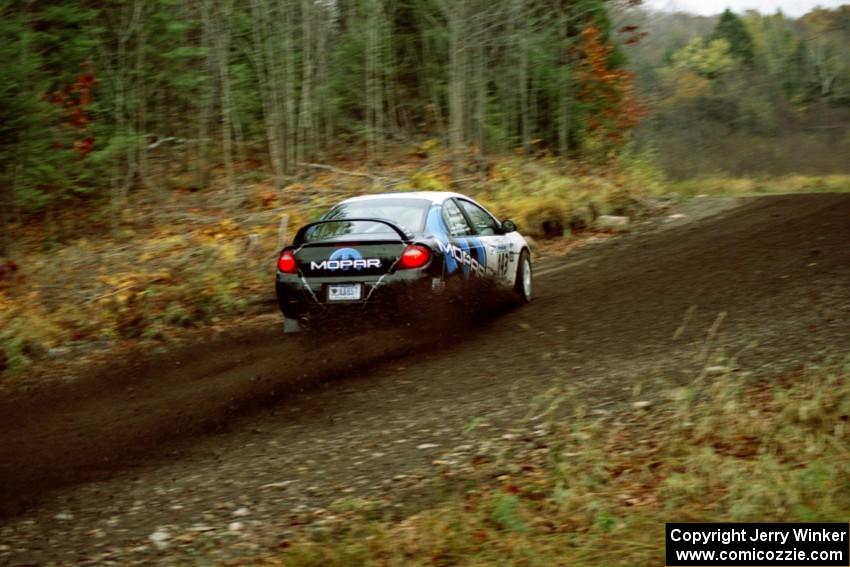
x=346 y=172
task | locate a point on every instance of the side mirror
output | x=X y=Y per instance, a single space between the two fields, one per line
x=508 y=226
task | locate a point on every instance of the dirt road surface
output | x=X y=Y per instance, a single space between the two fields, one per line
x=203 y=446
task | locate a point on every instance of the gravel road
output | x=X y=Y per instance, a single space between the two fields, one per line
x=204 y=452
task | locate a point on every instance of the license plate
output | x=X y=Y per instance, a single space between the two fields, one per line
x=344 y=292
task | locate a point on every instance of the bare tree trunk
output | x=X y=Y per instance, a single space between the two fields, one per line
x=565 y=84
x=378 y=99
x=6 y=220
x=509 y=83
x=222 y=43
x=522 y=77
x=279 y=57
x=6 y=193
x=265 y=77
x=481 y=89
x=374 y=98
x=202 y=158
x=392 y=97
x=305 y=115
x=122 y=163
x=142 y=104
x=564 y=122
x=431 y=93
x=287 y=83
x=323 y=78
x=117 y=190
x=239 y=143
x=824 y=72
x=456 y=12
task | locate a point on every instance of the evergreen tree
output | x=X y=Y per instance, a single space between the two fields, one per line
x=732 y=29
x=110 y=97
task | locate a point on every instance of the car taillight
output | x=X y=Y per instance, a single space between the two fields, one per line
x=286 y=263
x=414 y=256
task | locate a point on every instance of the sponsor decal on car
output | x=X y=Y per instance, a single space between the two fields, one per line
x=471 y=259
x=462 y=257
x=346 y=259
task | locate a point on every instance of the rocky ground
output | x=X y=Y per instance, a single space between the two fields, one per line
x=216 y=450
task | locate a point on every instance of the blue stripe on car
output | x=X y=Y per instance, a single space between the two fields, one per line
x=436 y=226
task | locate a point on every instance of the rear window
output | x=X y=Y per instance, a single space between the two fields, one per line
x=408 y=214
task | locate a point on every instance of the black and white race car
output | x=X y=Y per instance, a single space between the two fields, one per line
x=395 y=250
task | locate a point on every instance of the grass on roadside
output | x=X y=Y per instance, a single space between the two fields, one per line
x=538 y=195
x=723 y=185
x=720 y=451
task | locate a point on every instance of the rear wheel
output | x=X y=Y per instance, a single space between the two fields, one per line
x=522 y=284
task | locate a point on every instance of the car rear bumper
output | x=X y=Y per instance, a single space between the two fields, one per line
x=300 y=298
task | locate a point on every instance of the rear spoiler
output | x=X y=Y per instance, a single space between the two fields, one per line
x=299 y=236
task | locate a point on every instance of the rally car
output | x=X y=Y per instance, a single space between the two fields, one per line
x=396 y=250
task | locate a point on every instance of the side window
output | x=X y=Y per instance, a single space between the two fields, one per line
x=455 y=220
x=484 y=224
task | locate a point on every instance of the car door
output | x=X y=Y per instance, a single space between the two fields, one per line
x=463 y=252
x=500 y=257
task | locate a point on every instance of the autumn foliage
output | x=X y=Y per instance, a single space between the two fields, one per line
x=74 y=101
x=608 y=94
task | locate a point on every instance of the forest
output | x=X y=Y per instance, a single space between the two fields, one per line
x=106 y=98
x=147 y=141
x=745 y=95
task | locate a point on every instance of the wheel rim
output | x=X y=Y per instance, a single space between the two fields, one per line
x=526 y=279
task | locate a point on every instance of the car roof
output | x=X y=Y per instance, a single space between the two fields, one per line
x=437 y=197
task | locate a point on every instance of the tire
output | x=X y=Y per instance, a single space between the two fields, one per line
x=522 y=283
